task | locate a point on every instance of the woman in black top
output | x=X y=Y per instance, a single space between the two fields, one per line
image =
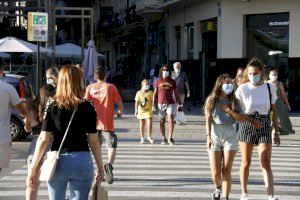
x=75 y=164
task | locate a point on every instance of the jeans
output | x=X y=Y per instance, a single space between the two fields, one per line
x=75 y=168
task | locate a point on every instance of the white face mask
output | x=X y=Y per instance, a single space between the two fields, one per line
x=227 y=88
x=146 y=87
x=177 y=71
x=273 y=77
x=49 y=81
x=165 y=74
x=254 y=79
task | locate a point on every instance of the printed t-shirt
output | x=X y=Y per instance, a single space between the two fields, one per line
x=146 y=103
x=104 y=96
x=165 y=89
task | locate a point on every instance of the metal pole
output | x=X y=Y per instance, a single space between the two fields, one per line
x=37 y=70
x=53 y=32
x=92 y=25
x=82 y=35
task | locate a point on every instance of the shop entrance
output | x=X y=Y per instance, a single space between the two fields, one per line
x=208 y=56
x=268 y=39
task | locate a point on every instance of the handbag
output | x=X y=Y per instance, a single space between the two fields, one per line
x=271 y=111
x=99 y=193
x=49 y=165
x=180 y=117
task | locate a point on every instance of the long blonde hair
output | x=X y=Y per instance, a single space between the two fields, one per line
x=69 y=92
x=254 y=62
x=215 y=94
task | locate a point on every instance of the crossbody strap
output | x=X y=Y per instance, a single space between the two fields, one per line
x=270 y=96
x=62 y=142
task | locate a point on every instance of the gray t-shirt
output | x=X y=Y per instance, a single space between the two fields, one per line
x=8 y=97
x=220 y=116
x=180 y=80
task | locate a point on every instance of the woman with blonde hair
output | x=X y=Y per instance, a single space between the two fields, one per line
x=36 y=111
x=75 y=154
x=256 y=99
x=52 y=76
x=220 y=113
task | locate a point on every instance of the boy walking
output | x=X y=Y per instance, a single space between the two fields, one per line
x=104 y=96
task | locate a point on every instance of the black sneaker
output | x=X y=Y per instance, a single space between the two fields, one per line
x=171 y=141
x=217 y=194
x=109 y=177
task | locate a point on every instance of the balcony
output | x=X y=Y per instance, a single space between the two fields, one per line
x=147 y=9
x=143 y=5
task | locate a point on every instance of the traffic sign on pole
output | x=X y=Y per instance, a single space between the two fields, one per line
x=37 y=29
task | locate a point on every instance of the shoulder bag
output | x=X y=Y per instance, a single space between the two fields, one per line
x=271 y=111
x=49 y=165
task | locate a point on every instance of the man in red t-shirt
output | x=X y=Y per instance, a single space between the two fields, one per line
x=104 y=96
x=165 y=87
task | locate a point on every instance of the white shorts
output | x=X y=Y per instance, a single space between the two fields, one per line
x=224 y=138
x=166 y=109
x=4 y=155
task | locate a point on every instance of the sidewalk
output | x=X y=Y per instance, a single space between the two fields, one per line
x=127 y=127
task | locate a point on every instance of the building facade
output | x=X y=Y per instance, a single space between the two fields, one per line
x=211 y=37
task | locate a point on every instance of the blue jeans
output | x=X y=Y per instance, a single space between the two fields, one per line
x=75 y=168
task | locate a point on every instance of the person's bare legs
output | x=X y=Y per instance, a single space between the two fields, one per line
x=111 y=155
x=142 y=127
x=264 y=152
x=171 y=125
x=149 y=127
x=246 y=152
x=228 y=158
x=163 y=127
x=215 y=160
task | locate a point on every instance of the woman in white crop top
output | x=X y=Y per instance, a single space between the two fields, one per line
x=256 y=98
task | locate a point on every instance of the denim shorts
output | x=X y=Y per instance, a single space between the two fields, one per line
x=75 y=168
x=224 y=138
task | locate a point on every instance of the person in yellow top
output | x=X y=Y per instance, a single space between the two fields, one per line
x=143 y=109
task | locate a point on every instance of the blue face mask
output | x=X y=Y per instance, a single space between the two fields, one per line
x=254 y=79
x=227 y=88
x=49 y=81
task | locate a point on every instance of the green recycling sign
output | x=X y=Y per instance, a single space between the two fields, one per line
x=37 y=29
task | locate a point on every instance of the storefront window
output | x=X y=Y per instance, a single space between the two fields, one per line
x=268 y=39
x=190 y=41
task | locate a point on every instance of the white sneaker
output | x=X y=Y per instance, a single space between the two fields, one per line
x=271 y=197
x=245 y=197
x=142 y=141
x=150 y=140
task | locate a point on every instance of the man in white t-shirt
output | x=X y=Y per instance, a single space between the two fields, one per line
x=8 y=98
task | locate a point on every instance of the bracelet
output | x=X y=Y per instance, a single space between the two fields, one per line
x=208 y=134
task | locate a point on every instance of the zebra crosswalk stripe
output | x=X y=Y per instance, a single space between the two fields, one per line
x=176 y=172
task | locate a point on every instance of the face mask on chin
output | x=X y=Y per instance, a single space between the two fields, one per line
x=254 y=79
x=165 y=74
x=273 y=78
x=227 y=88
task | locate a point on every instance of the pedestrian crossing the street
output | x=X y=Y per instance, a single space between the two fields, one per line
x=181 y=171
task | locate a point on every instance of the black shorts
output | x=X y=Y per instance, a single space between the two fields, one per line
x=249 y=134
